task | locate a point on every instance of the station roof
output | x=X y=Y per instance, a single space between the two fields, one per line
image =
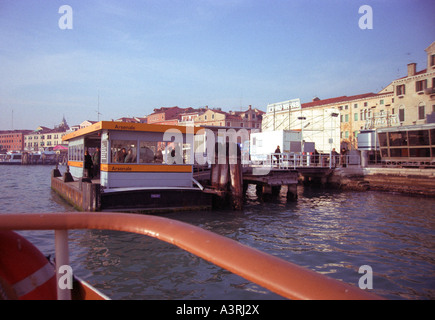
x=126 y=126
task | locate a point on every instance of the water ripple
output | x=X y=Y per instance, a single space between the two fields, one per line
x=331 y=232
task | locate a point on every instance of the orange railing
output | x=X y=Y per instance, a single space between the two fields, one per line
x=279 y=276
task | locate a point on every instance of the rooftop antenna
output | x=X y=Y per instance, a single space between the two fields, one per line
x=98 y=110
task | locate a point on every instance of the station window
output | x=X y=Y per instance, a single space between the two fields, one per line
x=399 y=152
x=418 y=138
x=419 y=152
x=76 y=153
x=124 y=151
x=382 y=139
x=398 y=139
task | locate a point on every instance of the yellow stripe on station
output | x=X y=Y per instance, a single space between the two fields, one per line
x=78 y=164
x=146 y=168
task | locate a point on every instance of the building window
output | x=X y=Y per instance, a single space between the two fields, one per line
x=355 y=116
x=402 y=114
x=355 y=105
x=420 y=85
x=400 y=90
x=421 y=113
x=381 y=102
x=432 y=60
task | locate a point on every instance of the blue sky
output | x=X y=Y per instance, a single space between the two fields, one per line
x=140 y=55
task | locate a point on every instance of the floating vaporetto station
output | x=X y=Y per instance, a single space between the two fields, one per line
x=143 y=167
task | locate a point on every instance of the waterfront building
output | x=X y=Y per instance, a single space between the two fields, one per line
x=249 y=119
x=414 y=94
x=405 y=101
x=169 y=116
x=188 y=118
x=12 y=140
x=318 y=125
x=132 y=119
x=43 y=137
x=87 y=123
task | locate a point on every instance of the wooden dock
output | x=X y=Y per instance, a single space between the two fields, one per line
x=87 y=195
x=222 y=185
x=271 y=183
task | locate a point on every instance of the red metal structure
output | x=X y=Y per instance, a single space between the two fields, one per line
x=279 y=276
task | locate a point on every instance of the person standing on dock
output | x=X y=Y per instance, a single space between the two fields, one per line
x=343 y=157
x=334 y=155
x=88 y=165
x=96 y=162
x=277 y=150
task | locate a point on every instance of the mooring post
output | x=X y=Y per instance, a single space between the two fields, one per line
x=292 y=192
x=236 y=174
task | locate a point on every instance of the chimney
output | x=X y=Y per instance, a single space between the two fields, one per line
x=411 y=69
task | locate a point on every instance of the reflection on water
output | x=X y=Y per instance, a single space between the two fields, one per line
x=331 y=232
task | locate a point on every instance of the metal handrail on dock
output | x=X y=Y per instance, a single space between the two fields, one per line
x=289 y=161
x=279 y=276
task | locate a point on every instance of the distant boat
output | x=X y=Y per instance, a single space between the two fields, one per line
x=12 y=157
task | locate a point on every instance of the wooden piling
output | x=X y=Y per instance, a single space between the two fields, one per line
x=292 y=192
x=227 y=177
x=236 y=174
